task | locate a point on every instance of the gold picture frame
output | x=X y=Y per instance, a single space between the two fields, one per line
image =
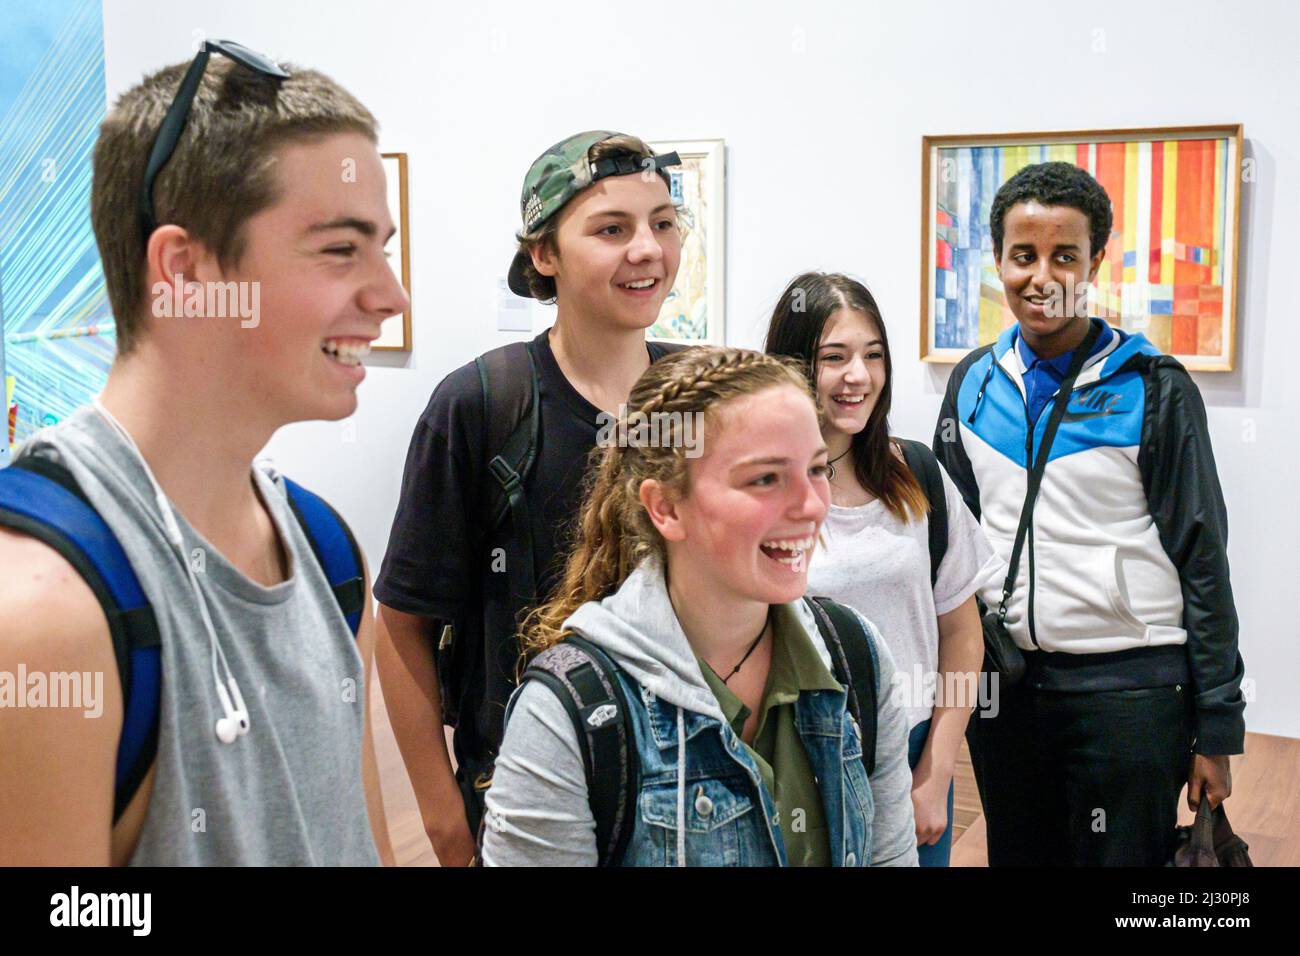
x=396 y=334
x=1173 y=261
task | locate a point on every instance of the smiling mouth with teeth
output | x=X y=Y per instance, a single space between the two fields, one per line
x=849 y=399
x=638 y=284
x=349 y=352
x=791 y=552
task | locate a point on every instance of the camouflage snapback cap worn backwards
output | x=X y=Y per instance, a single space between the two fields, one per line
x=561 y=173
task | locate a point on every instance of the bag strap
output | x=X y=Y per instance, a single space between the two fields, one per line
x=511 y=421
x=659 y=350
x=40 y=498
x=335 y=548
x=585 y=680
x=925 y=466
x=1039 y=464
x=853 y=659
x=511 y=415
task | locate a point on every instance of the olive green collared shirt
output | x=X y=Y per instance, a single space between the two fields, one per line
x=777 y=750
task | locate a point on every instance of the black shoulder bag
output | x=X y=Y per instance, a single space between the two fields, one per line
x=1001 y=655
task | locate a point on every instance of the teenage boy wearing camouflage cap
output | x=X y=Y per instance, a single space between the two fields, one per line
x=601 y=240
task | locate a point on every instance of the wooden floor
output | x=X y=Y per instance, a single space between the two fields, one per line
x=1264 y=806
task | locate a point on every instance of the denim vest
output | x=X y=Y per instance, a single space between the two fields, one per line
x=730 y=816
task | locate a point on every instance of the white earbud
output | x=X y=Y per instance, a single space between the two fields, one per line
x=235 y=722
x=227 y=726
x=227 y=730
x=241 y=710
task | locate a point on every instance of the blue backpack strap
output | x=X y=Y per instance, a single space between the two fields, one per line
x=40 y=498
x=853 y=658
x=335 y=549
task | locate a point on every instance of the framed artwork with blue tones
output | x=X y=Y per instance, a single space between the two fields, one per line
x=693 y=313
x=1170 y=270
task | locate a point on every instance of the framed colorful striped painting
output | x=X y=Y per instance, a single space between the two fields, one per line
x=1170 y=270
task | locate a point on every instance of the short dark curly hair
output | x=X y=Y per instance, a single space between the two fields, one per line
x=1054 y=184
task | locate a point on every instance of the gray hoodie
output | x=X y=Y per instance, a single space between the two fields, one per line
x=538 y=812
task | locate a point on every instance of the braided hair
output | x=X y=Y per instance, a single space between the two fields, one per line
x=613 y=533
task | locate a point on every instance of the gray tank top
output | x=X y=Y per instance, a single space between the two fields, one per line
x=289 y=792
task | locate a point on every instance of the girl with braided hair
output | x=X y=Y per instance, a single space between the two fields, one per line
x=688 y=572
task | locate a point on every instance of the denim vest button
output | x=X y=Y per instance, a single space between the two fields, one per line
x=703 y=805
x=851 y=860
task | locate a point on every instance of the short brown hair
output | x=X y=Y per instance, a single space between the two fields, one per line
x=543 y=287
x=221 y=173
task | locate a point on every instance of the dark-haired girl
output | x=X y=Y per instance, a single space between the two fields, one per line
x=877 y=556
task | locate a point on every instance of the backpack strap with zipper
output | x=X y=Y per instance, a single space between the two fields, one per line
x=40 y=498
x=585 y=680
x=853 y=659
x=925 y=466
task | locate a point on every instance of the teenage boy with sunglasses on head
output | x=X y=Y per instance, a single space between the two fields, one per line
x=496 y=465
x=224 y=606
x=1122 y=603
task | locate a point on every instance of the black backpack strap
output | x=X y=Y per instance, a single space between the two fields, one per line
x=1038 y=465
x=511 y=420
x=586 y=682
x=660 y=349
x=40 y=498
x=925 y=466
x=511 y=413
x=853 y=658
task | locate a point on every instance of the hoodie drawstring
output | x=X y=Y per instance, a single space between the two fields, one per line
x=681 y=787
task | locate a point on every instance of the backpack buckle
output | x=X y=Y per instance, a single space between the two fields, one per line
x=505 y=475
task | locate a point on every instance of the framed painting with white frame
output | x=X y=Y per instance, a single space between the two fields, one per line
x=694 y=312
x=1170 y=270
x=396 y=333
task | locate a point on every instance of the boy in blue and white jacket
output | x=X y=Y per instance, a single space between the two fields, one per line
x=1122 y=602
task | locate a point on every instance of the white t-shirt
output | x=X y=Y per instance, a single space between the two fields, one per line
x=880 y=566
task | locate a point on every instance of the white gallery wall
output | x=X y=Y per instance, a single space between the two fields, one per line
x=822 y=106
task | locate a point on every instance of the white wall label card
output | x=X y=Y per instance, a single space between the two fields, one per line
x=514 y=312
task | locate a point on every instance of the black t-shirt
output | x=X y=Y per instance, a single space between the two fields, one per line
x=438 y=562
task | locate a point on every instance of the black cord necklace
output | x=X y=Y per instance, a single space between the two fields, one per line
x=830 y=465
x=735 y=670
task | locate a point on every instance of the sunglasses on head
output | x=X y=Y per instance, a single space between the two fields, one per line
x=173 y=124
